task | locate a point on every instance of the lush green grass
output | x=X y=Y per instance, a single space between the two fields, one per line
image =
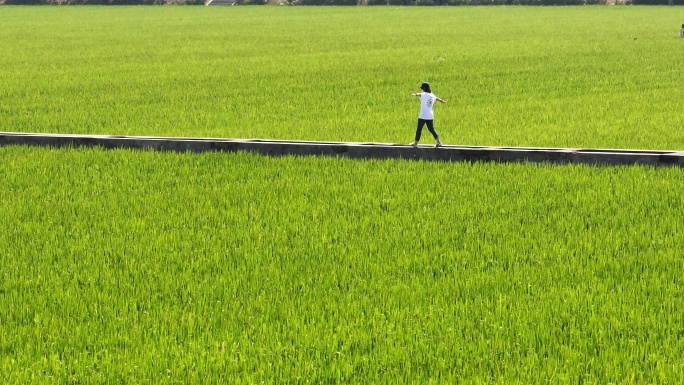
x=144 y=267
x=557 y=76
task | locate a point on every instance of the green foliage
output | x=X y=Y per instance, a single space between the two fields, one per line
x=512 y=76
x=103 y=2
x=252 y=2
x=656 y=2
x=324 y=2
x=143 y=267
x=514 y=2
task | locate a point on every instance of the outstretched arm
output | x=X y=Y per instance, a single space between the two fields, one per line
x=441 y=100
x=418 y=94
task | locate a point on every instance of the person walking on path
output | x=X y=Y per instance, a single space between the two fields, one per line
x=427 y=116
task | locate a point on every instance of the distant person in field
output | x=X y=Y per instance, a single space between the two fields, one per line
x=427 y=102
x=681 y=31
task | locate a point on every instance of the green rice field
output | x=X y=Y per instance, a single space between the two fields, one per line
x=512 y=76
x=126 y=266
x=141 y=267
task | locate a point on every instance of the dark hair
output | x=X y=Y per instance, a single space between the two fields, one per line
x=427 y=89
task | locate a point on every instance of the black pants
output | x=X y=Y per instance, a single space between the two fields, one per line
x=431 y=127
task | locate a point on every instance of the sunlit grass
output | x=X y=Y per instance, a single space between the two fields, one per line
x=160 y=267
x=143 y=267
x=557 y=76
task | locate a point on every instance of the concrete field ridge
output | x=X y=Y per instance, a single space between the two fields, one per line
x=447 y=153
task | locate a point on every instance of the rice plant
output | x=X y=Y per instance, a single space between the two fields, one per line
x=580 y=77
x=145 y=267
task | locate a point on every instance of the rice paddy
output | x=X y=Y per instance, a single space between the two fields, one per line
x=147 y=267
x=512 y=76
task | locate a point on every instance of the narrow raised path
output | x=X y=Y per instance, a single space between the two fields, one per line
x=447 y=153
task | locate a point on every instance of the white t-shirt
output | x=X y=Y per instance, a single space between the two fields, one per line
x=427 y=101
